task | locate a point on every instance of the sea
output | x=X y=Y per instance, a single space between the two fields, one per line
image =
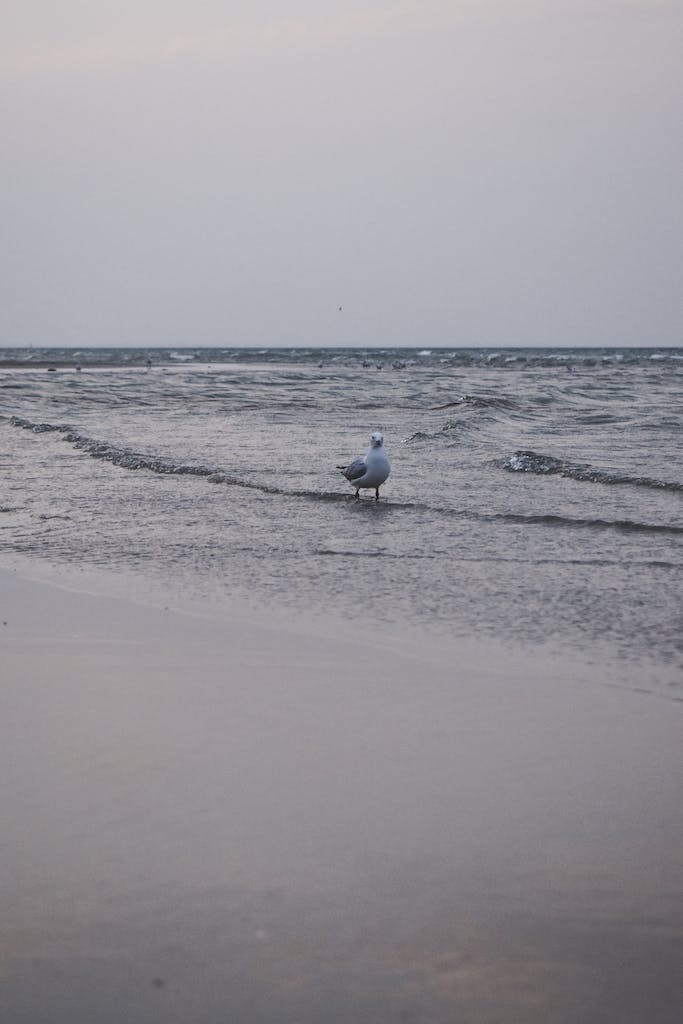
x=535 y=495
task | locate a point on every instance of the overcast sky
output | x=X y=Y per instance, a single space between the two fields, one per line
x=456 y=172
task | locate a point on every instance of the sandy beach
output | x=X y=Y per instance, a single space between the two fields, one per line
x=248 y=819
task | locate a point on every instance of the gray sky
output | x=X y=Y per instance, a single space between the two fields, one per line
x=484 y=172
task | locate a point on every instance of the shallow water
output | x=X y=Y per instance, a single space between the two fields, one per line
x=533 y=496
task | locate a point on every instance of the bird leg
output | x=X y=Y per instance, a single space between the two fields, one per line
x=357 y=494
x=376 y=493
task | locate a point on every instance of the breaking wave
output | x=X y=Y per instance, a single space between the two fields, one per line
x=479 y=402
x=548 y=465
x=126 y=458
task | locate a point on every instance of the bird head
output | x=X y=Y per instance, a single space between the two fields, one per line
x=377 y=440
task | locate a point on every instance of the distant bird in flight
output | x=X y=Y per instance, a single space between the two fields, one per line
x=340 y=309
x=371 y=469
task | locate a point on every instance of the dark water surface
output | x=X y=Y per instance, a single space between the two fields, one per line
x=535 y=495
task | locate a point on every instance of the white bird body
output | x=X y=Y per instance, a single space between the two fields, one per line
x=372 y=469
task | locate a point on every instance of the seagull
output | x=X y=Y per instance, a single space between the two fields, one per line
x=371 y=469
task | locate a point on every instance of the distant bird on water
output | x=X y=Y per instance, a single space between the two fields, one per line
x=371 y=469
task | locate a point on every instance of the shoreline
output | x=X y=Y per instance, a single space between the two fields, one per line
x=265 y=821
x=591 y=667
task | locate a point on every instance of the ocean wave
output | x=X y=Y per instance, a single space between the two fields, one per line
x=505 y=358
x=126 y=458
x=551 y=519
x=546 y=519
x=446 y=431
x=361 y=553
x=548 y=465
x=118 y=456
x=479 y=402
x=38 y=428
x=443 y=432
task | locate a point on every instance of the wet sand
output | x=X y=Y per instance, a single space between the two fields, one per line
x=250 y=820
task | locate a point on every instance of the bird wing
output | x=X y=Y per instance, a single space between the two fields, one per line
x=356 y=470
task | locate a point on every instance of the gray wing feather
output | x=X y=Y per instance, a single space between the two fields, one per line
x=356 y=470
